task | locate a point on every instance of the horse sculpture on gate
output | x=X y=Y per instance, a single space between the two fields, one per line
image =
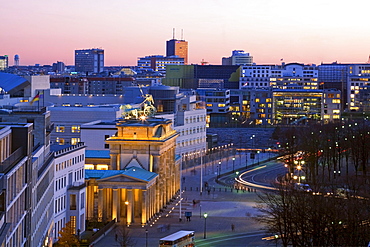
x=141 y=110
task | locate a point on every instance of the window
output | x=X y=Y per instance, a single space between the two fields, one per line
x=73 y=224
x=102 y=167
x=74 y=141
x=60 y=128
x=82 y=200
x=60 y=140
x=72 y=202
x=75 y=129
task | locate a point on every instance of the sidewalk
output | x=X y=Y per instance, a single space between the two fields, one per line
x=223 y=209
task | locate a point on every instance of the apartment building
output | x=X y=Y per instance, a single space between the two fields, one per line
x=69 y=187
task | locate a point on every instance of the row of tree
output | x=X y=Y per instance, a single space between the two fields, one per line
x=336 y=157
x=329 y=151
x=299 y=218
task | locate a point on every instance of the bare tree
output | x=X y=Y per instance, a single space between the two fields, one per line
x=123 y=237
x=303 y=219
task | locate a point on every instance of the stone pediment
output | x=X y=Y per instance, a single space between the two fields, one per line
x=130 y=177
x=134 y=162
x=121 y=178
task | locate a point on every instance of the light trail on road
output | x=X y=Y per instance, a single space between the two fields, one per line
x=240 y=180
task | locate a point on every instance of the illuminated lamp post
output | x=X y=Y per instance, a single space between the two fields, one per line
x=233 y=163
x=205 y=225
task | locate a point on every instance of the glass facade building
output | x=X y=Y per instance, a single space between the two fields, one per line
x=89 y=61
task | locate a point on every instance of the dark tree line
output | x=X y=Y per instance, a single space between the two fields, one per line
x=302 y=219
x=330 y=151
x=336 y=156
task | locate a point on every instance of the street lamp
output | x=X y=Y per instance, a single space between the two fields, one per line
x=233 y=163
x=237 y=173
x=146 y=237
x=201 y=172
x=219 y=167
x=299 y=165
x=205 y=225
x=200 y=210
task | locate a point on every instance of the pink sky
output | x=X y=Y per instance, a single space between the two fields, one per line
x=44 y=31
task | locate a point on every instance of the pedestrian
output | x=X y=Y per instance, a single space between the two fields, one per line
x=232 y=227
x=116 y=237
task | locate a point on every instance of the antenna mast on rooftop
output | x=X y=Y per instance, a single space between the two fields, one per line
x=173 y=33
x=182 y=34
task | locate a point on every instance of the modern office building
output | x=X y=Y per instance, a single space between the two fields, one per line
x=4 y=62
x=295 y=106
x=203 y=76
x=292 y=75
x=30 y=195
x=179 y=48
x=238 y=57
x=158 y=63
x=331 y=110
x=335 y=75
x=15 y=169
x=89 y=61
x=59 y=67
x=68 y=120
x=351 y=79
x=218 y=106
x=250 y=106
x=91 y=85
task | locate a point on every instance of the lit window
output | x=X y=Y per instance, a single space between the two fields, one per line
x=102 y=167
x=89 y=167
x=75 y=128
x=60 y=128
x=74 y=141
x=60 y=140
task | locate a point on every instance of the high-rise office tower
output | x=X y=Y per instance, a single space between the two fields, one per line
x=59 y=67
x=89 y=61
x=3 y=62
x=238 y=57
x=177 y=48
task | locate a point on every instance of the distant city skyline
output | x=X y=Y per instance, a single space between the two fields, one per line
x=43 y=32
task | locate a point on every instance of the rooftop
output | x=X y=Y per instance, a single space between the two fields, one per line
x=134 y=172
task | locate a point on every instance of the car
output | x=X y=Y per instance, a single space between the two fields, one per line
x=303 y=187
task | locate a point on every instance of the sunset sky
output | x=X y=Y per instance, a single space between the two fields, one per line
x=46 y=31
